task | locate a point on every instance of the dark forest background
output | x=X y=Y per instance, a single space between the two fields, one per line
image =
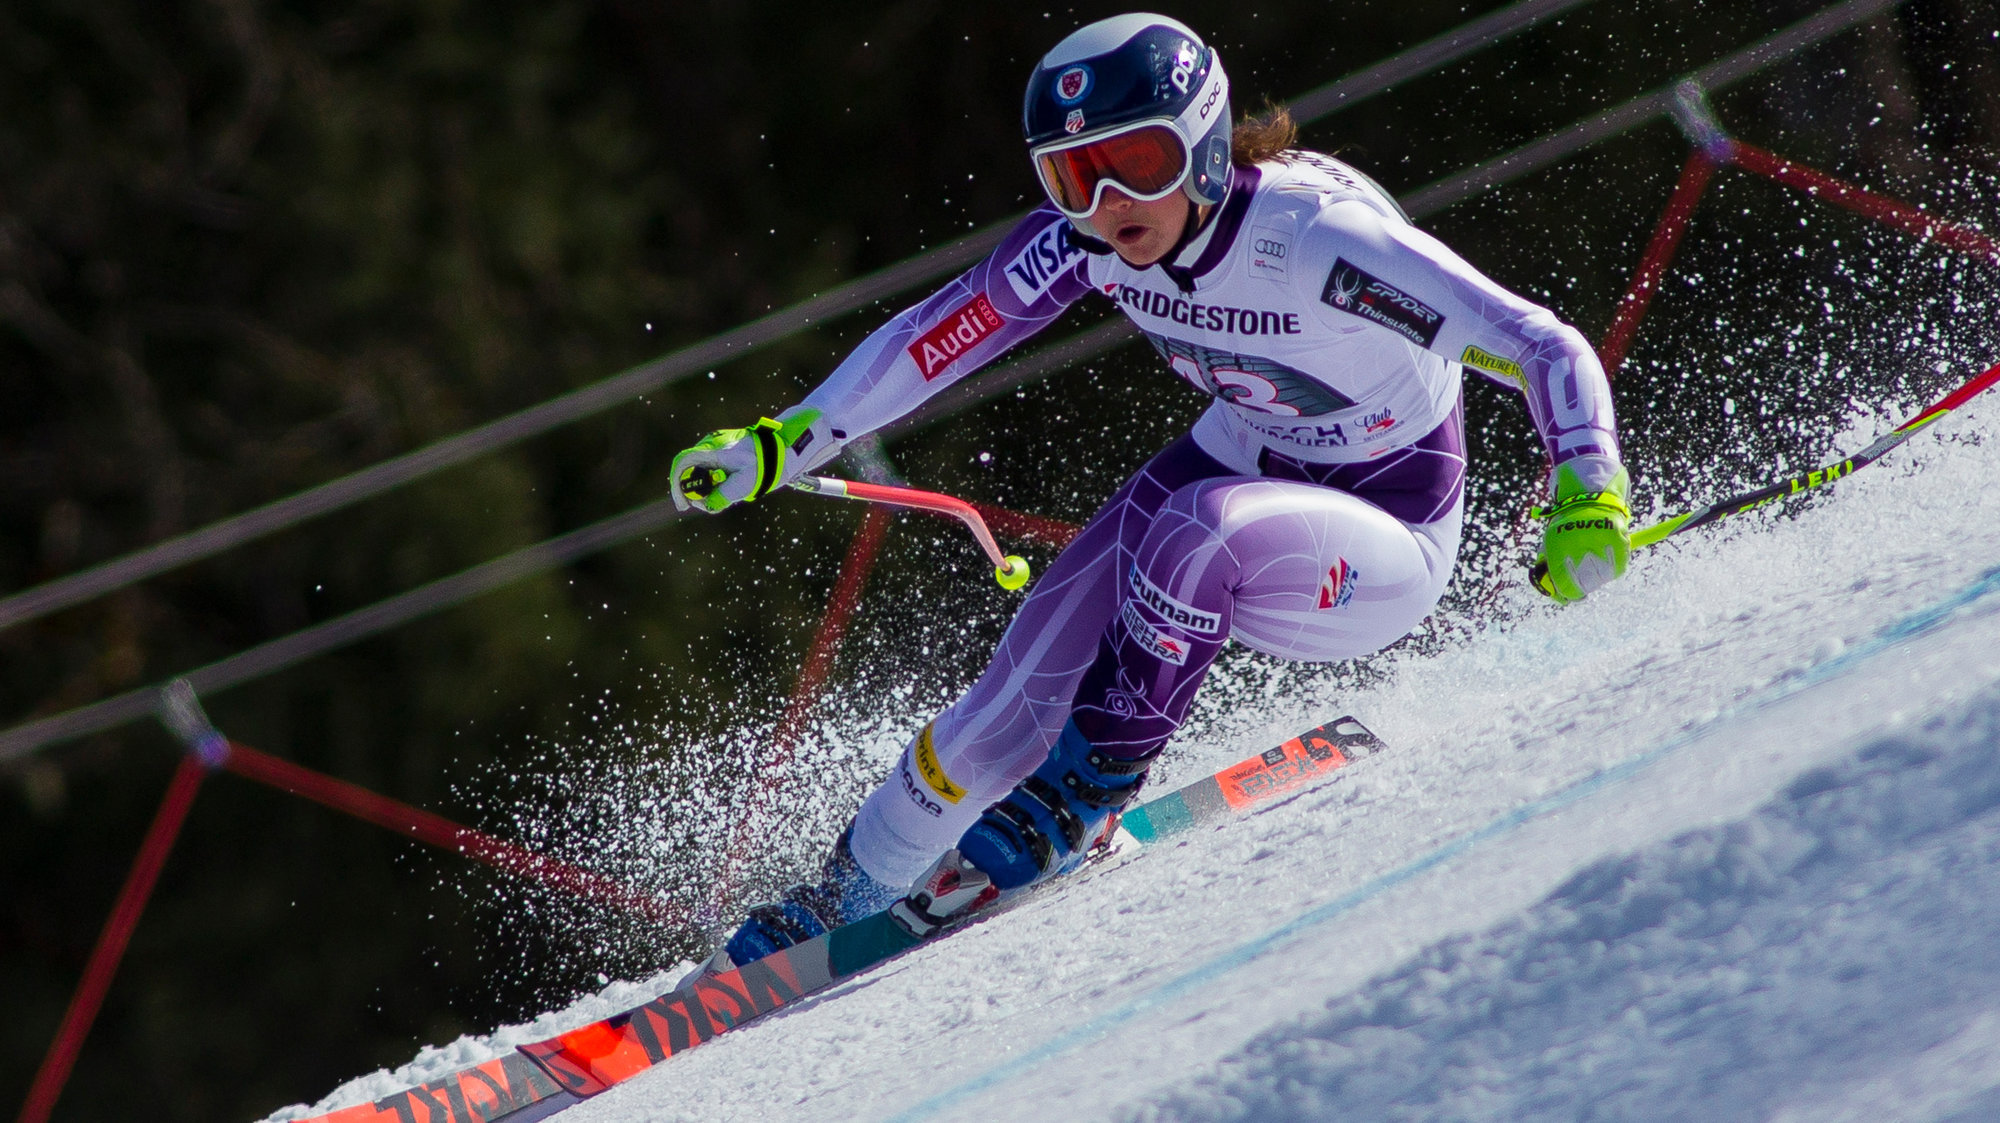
x=249 y=247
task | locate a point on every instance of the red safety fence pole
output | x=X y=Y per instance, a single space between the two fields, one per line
x=425 y=826
x=210 y=750
x=112 y=941
x=1695 y=176
x=1035 y=528
x=818 y=667
x=1860 y=200
x=1714 y=147
x=819 y=660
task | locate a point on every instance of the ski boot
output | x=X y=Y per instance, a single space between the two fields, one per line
x=1048 y=824
x=843 y=893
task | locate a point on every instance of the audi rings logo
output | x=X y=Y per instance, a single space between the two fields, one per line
x=1269 y=247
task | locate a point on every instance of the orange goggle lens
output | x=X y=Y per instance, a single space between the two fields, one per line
x=1145 y=163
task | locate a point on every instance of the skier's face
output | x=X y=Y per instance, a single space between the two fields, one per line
x=1142 y=233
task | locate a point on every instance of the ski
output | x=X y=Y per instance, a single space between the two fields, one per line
x=540 y=1079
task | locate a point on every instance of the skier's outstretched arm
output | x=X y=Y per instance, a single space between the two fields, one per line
x=1016 y=291
x=1403 y=279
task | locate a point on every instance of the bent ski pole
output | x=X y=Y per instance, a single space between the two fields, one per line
x=1011 y=570
x=1723 y=508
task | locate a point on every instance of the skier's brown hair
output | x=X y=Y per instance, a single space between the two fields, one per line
x=1263 y=137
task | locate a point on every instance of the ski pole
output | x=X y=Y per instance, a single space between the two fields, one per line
x=1736 y=504
x=1010 y=570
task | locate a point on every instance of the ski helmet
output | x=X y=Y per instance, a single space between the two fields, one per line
x=1137 y=101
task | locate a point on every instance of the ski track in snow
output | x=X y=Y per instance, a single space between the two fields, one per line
x=1722 y=842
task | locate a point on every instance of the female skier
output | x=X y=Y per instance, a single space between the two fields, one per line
x=1313 y=512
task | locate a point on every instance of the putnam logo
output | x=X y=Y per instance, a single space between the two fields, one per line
x=1362 y=294
x=1487 y=360
x=959 y=332
x=933 y=772
x=1171 y=610
x=1338 y=588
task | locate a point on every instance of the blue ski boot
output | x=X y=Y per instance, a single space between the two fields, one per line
x=1049 y=822
x=843 y=893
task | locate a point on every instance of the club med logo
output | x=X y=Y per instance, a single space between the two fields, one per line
x=1171 y=610
x=1034 y=269
x=961 y=329
x=1152 y=639
x=1338 y=588
x=1351 y=290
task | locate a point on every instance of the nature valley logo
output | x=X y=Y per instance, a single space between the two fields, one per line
x=933 y=772
x=1486 y=360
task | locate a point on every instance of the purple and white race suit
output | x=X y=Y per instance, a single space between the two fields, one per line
x=1313 y=512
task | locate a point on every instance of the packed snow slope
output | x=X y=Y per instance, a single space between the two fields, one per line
x=1722 y=842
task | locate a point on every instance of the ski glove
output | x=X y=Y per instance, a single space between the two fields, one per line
x=1587 y=538
x=731 y=466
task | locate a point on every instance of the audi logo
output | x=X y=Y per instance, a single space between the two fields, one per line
x=1269 y=248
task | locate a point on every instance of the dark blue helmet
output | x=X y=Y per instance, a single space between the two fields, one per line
x=1114 y=79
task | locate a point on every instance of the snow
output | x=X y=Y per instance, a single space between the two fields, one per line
x=1722 y=842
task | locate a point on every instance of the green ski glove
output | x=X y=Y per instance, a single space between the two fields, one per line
x=1587 y=539
x=731 y=466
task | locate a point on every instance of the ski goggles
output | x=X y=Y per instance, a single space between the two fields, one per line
x=1147 y=161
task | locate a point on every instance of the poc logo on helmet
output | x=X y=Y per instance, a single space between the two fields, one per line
x=1184 y=67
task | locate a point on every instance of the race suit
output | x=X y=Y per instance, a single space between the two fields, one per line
x=1313 y=512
